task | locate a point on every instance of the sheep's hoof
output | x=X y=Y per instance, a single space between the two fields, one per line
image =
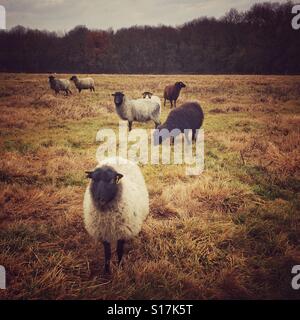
x=106 y=271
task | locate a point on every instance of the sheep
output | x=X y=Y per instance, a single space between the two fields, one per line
x=141 y=110
x=115 y=205
x=188 y=116
x=149 y=95
x=59 y=85
x=172 y=92
x=83 y=83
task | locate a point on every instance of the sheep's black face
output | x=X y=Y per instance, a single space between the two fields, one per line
x=51 y=78
x=147 y=94
x=118 y=98
x=180 y=84
x=73 y=78
x=104 y=186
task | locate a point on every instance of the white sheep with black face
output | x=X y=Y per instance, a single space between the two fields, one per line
x=140 y=110
x=116 y=203
x=83 y=83
x=149 y=95
x=58 y=85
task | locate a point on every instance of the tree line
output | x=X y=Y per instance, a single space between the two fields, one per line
x=258 y=41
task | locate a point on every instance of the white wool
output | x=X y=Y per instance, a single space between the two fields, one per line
x=154 y=99
x=63 y=83
x=124 y=216
x=84 y=83
x=60 y=84
x=141 y=110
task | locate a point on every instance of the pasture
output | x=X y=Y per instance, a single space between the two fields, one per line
x=232 y=232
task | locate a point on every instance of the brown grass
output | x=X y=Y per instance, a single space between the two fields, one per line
x=232 y=232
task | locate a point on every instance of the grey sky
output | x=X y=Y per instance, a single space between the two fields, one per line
x=63 y=15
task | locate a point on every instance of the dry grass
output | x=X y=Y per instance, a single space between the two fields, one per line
x=232 y=232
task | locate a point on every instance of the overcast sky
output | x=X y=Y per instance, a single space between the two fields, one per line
x=63 y=15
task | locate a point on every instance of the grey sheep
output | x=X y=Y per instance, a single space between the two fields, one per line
x=83 y=83
x=140 y=110
x=149 y=95
x=59 y=85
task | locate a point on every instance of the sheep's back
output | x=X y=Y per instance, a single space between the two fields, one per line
x=187 y=116
x=144 y=109
x=86 y=83
x=156 y=99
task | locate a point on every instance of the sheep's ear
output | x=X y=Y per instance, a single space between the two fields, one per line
x=119 y=176
x=89 y=174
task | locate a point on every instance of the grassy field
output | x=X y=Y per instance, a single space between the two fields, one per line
x=232 y=232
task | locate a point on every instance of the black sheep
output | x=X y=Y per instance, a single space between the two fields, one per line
x=172 y=92
x=188 y=116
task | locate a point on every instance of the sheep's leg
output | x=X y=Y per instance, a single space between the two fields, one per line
x=79 y=90
x=120 y=249
x=171 y=104
x=107 y=254
x=129 y=125
x=186 y=133
x=174 y=103
x=194 y=135
x=165 y=102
